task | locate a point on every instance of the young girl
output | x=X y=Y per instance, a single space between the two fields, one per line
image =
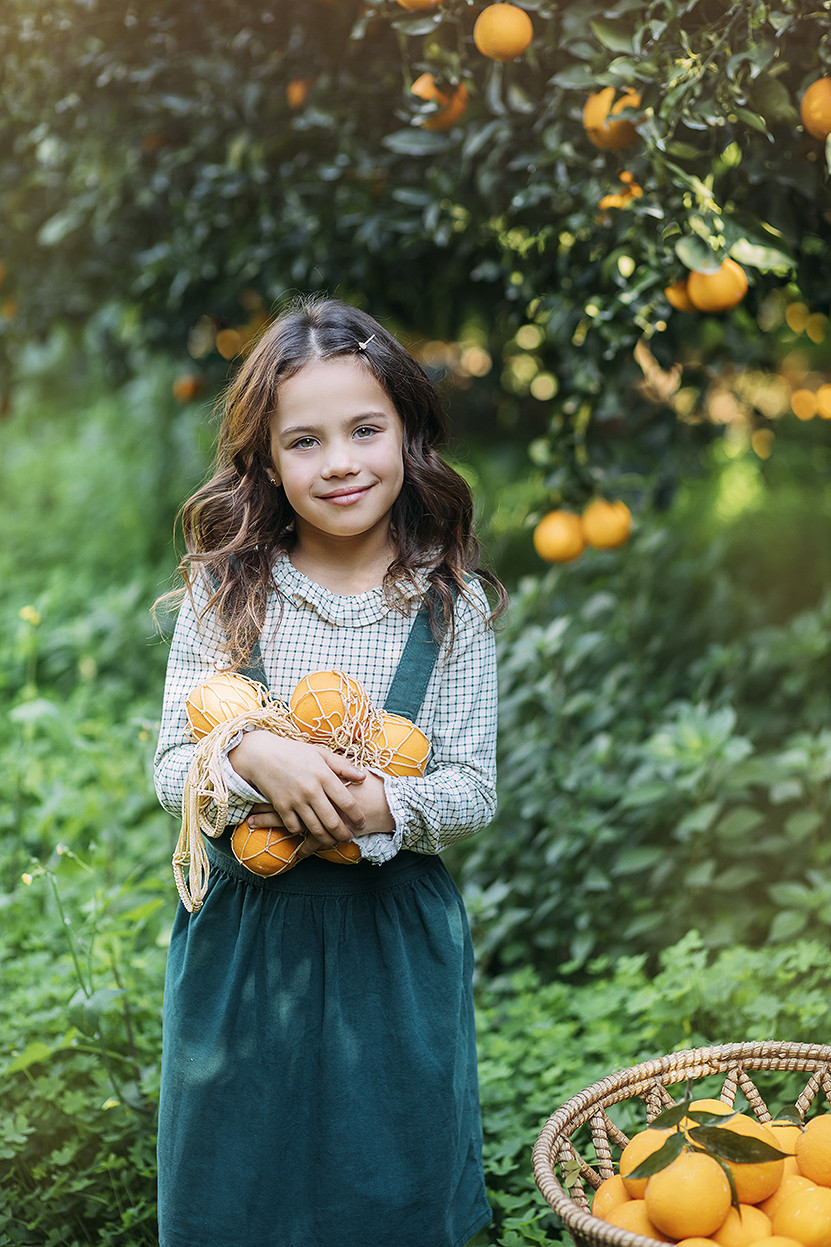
x=319 y=1083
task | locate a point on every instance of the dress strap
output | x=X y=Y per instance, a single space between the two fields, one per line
x=409 y=684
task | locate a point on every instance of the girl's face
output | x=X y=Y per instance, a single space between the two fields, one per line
x=337 y=450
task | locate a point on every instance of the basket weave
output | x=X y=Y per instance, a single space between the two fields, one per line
x=649 y=1082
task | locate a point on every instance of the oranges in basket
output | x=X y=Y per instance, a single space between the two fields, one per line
x=703 y=1175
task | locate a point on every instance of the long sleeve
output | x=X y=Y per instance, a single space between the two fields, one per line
x=195 y=654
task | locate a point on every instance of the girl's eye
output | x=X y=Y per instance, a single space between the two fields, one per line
x=364 y=430
x=303 y=443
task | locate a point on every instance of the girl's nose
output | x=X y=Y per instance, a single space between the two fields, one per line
x=339 y=459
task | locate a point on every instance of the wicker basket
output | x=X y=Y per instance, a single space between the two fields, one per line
x=649 y=1081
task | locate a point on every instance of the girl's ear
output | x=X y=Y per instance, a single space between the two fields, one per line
x=271 y=472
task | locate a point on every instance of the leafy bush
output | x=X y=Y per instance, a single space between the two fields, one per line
x=665 y=750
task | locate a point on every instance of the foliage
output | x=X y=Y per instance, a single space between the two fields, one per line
x=664 y=753
x=240 y=153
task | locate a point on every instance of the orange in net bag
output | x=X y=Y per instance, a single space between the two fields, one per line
x=326 y=707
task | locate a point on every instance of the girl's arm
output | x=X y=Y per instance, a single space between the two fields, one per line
x=309 y=782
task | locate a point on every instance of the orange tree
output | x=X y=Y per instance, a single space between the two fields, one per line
x=169 y=171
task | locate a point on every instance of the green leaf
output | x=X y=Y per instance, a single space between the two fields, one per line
x=416 y=142
x=664 y=1156
x=695 y=254
x=616 y=36
x=739 y=1149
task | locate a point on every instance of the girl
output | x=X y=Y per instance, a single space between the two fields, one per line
x=319 y=1082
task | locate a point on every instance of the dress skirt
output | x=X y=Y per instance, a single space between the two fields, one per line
x=319 y=1084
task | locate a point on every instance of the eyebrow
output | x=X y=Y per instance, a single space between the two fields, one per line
x=303 y=430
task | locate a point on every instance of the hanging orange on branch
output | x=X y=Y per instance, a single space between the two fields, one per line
x=600 y=120
x=502 y=32
x=451 y=103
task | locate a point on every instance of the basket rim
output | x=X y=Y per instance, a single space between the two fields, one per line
x=636 y=1080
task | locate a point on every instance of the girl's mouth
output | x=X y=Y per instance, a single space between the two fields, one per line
x=343 y=497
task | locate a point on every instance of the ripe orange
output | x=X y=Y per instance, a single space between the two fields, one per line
x=806 y=1216
x=402 y=746
x=786 y=1134
x=790 y=1183
x=502 y=32
x=804 y=404
x=755 y=1181
x=452 y=104
x=606 y=525
x=776 y=1240
x=691 y=1196
x=717 y=290
x=325 y=702
x=610 y=1194
x=346 y=853
x=558 y=538
x=678 y=297
x=641 y=1145
x=611 y=136
x=228 y=343
x=813 y=1150
x=815 y=108
x=224 y=696
x=634 y=1217
x=297 y=90
x=187 y=386
x=824 y=402
x=743 y=1225
x=265 y=851
x=695 y=1241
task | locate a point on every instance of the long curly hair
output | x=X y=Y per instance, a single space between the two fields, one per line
x=235 y=525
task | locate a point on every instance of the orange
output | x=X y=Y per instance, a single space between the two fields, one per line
x=325 y=702
x=502 y=32
x=824 y=402
x=786 y=1134
x=815 y=108
x=743 y=1225
x=346 y=853
x=265 y=851
x=776 y=1240
x=611 y=136
x=755 y=1181
x=224 y=696
x=641 y=1145
x=606 y=525
x=806 y=1216
x=717 y=290
x=813 y=1150
x=678 y=297
x=297 y=90
x=633 y=1216
x=691 y=1196
x=558 y=538
x=451 y=104
x=804 y=404
x=229 y=343
x=187 y=386
x=790 y=1183
x=403 y=748
x=695 y=1241
x=610 y=1194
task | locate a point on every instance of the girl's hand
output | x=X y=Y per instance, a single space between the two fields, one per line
x=305 y=784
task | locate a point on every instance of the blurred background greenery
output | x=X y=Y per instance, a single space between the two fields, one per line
x=658 y=874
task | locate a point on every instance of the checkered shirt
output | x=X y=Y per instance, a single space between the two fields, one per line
x=364 y=636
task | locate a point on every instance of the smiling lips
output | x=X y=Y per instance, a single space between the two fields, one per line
x=343 y=497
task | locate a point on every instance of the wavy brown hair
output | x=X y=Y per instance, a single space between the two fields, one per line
x=236 y=523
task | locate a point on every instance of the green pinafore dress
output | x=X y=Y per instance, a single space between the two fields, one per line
x=319 y=1083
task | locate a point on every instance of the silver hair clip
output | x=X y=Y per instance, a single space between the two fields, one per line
x=363 y=345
